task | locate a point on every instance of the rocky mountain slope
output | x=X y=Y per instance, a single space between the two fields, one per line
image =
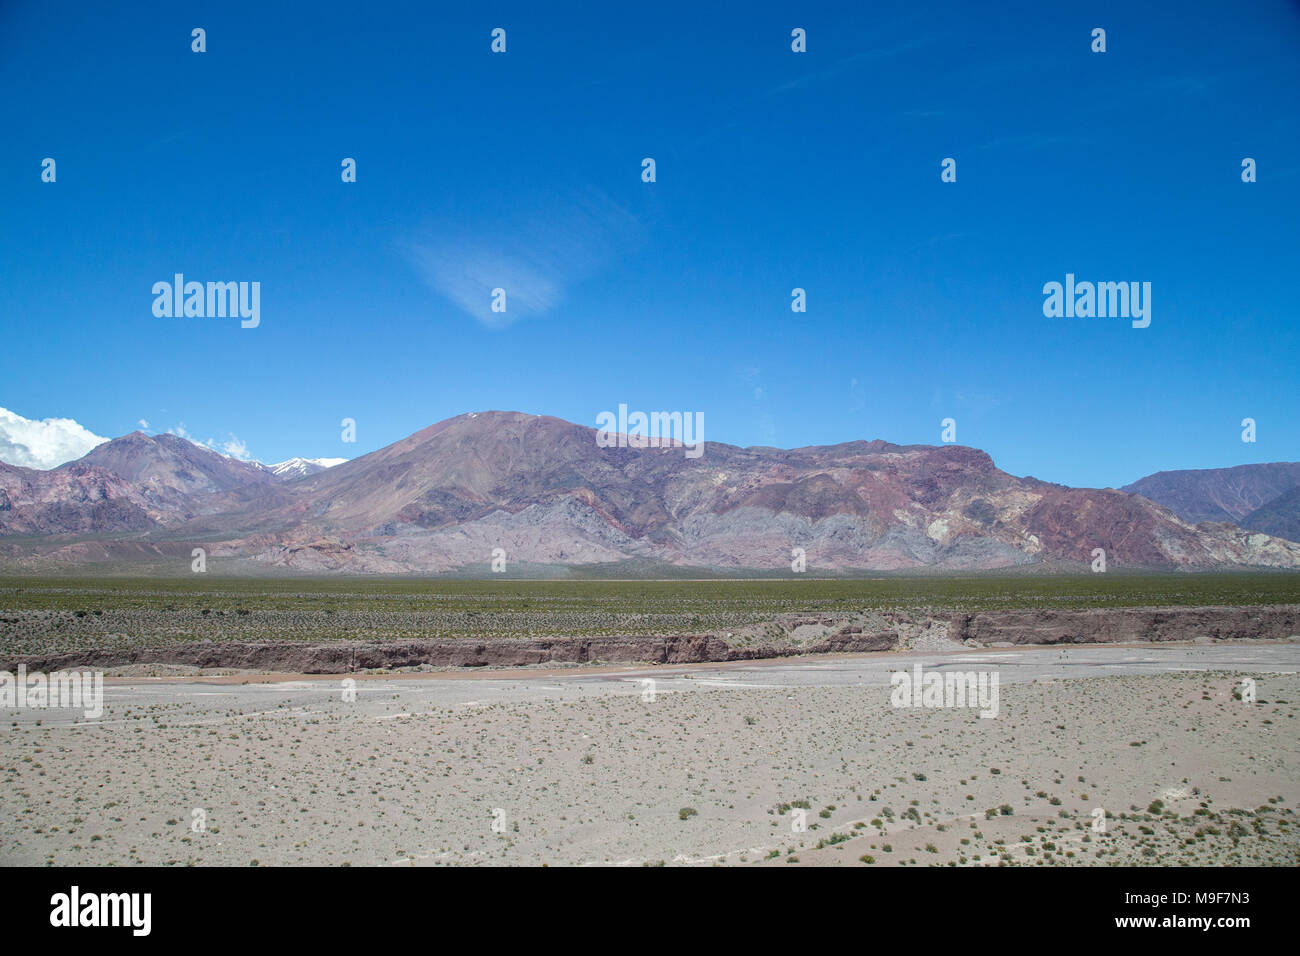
x=544 y=492
x=1279 y=517
x=1264 y=498
x=71 y=499
x=134 y=483
x=1218 y=494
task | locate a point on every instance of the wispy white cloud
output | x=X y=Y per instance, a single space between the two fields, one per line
x=46 y=443
x=535 y=259
x=844 y=64
x=231 y=447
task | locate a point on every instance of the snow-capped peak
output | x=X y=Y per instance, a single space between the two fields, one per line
x=298 y=467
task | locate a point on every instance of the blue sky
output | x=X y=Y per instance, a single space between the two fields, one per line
x=775 y=170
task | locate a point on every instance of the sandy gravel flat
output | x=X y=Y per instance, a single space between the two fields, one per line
x=575 y=766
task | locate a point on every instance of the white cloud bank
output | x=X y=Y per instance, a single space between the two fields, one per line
x=43 y=444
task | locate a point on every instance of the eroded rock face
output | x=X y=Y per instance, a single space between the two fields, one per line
x=346 y=657
x=74 y=499
x=1121 y=625
x=1046 y=627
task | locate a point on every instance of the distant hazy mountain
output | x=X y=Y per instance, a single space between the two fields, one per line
x=1279 y=517
x=544 y=492
x=298 y=467
x=1218 y=494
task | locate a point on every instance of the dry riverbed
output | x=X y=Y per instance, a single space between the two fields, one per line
x=708 y=769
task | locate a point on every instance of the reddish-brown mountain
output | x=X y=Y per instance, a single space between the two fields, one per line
x=542 y=490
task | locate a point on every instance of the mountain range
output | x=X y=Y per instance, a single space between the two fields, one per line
x=548 y=495
x=1256 y=497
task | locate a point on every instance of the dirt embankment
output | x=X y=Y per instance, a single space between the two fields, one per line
x=986 y=628
x=344 y=656
x=1127 y=624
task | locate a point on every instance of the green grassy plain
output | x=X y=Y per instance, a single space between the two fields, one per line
x=56 y=614
x=768 y=595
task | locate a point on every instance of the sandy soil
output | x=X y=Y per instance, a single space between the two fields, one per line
x=599 y=775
